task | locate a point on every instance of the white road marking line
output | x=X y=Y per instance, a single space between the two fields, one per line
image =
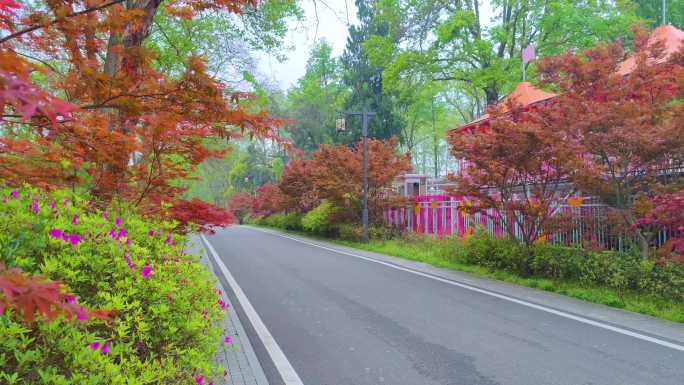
x=287 y=372
x=560 y=313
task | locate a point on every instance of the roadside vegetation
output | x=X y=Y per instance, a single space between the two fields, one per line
x=621 y=280
x=100 y=296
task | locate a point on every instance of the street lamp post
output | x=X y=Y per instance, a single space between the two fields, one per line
x=341 y=126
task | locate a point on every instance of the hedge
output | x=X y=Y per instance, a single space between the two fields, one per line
x=165 y=325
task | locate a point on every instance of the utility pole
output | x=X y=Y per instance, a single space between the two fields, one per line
x=341 y=126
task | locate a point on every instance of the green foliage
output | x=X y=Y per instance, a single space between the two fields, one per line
x=222 y=37
x=290 y=221
x=163 y=327
x=653 y=12
x=315 y=101
x=618 y=271
x=320 y=219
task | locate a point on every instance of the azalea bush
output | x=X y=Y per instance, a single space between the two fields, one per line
x=143 y=310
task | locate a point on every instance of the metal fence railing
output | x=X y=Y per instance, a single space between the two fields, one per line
x=582 y=225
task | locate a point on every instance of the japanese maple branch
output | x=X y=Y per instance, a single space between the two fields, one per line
x=38 y=26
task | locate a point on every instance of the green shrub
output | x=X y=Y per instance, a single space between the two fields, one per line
x=165 y=325
x=290 y=221
x=350 y=232
x=503 y=254
x=319 y=220
x=620 y=271
x=385 y=233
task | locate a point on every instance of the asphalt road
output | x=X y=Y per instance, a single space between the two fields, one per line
x=341 y=320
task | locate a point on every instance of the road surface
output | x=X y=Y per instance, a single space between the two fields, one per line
x=342 y=320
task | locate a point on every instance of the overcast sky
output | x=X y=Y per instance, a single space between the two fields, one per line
x=327 y=20
x=322 y=22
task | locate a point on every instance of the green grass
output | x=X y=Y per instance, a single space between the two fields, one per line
x=444 y=254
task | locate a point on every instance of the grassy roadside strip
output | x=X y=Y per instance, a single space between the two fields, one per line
x=441 y=254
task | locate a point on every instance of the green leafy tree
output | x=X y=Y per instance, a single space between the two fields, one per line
x=364 y=77
x=451 y=41
x=652 y=10
x=313 y=103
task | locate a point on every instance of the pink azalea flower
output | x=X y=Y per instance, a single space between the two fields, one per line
x=199 y=380
x=130 y=263
x=56 y=233
x=112 y=233
x=74 y=220
x=128 y=242
x=65 y=202
x=14 y=194
x=146 y=271
x=74 y=239
x=105 y=347
x=150 y=233
x=81 y=314
x=94 y=345
x=34 y=206
x=227 y=339
x=168 y=239
x=122 y=233
x=70 y=298
x=222 y=304
x=117 y=221
x=52 y=205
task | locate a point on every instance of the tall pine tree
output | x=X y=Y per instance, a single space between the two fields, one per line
x=365 y=80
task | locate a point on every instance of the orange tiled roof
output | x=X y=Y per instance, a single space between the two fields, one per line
x=669 y=35
x=523 y=95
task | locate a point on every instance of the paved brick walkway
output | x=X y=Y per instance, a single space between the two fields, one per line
x=238 y=357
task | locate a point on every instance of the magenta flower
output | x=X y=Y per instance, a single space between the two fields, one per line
x=150 y=233
x=65 y=202
x=122 y=233
x=168 y=239
x=14 y=194
x=105 y=215
x=102 y=347
x=74 y=239
x=34 y=206
x=130 y=263
x=199 y=380
x=117 y=221
x=81 y=314
x=146 y=271
x=52 y=205
x=70 y=298
x=222 y=304
x=227 y=340
x=112 y=233
x=56 y=233
x=74 y=220
x=128 y=242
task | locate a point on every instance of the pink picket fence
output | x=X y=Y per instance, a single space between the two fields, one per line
x=440 y=215
x=443 y=216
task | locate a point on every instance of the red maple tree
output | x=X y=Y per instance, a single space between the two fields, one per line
x=240 y=204
x=337 y=174
x=627 y=130
x=516 y=167
x=125 y=130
